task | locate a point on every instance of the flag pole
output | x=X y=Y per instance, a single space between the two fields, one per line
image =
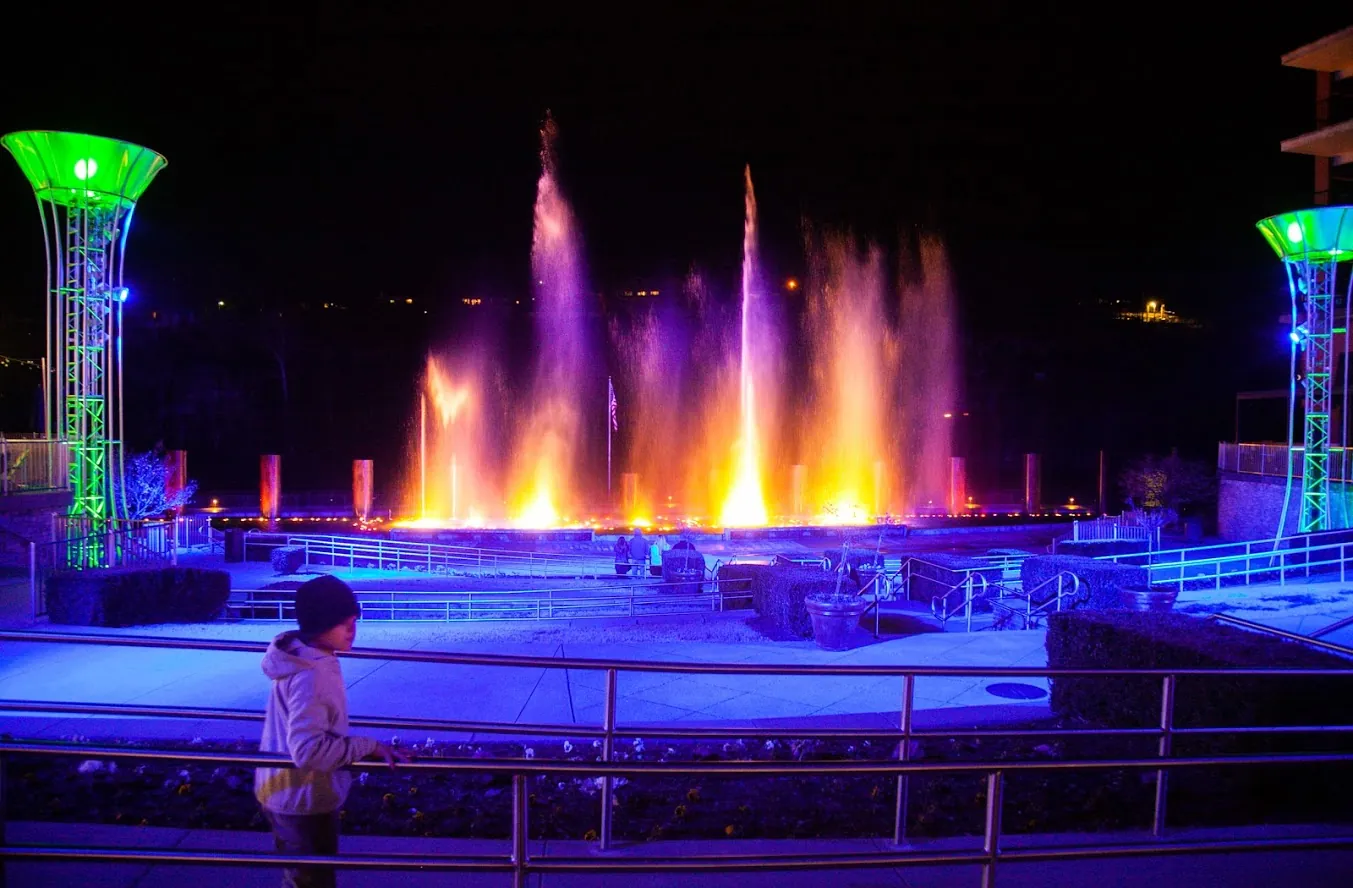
x=610 y=393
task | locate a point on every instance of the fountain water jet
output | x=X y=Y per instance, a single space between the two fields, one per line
x=745 y=504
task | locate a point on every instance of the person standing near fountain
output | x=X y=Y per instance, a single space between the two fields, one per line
x=639 y=550
x=307 y=718
x=622 y=556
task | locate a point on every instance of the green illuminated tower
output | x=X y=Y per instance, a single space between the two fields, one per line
x=87 y=188
x=1311 y=244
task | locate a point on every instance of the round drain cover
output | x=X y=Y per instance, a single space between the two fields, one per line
x=1014 y=690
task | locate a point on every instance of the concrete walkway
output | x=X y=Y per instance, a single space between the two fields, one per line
x=1294 y=606
x=168 y=677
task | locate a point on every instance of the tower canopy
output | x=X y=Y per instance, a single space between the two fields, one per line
x=75 y=169
x=1320 y=234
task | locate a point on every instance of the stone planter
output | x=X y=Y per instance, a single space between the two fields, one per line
x=835 y=620
x=1144 y=599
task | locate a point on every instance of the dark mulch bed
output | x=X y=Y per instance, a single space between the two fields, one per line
x=189 y=795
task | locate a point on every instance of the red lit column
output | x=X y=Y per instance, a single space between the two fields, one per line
x=178 y=475
x=1033 y=484
x=270 y=486
x=363 y=471
x=958 y=485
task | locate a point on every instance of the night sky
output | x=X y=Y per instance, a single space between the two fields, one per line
x=1094 y=153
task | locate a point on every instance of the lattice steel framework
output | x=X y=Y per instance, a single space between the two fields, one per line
x=86 y=188
x=1311 y=244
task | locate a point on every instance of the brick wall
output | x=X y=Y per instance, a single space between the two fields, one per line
x=25 y=518
x=1248 y=506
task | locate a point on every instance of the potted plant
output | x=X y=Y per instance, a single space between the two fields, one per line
x=1150 y=598
x=835 y=616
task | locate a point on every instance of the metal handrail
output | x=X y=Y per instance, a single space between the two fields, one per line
x=383 y=543
x=521 y=864
x=1332 y=627
x=938 y=603
x=1031 y=613
x=1283 y=633
x=688 y=668
x=1240 y=564
x=511 y=601
x=1271 y=542
x=609 y=768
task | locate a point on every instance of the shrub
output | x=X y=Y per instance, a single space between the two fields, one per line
x=288 y=559
x=1131 y=640
x=136 y=596
x=1096 y=548
x=778 y=592
x=1102 y=582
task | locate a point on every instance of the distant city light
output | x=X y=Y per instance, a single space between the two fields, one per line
x=791 y=284
x=469 y=301
x=221 y=304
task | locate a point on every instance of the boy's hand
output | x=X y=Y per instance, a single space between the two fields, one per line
x=390 y=756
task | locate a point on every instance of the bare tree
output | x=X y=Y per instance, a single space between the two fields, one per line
x=147 y=485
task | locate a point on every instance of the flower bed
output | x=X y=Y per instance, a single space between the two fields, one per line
x=188 y=795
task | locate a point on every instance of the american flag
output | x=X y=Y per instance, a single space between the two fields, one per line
x=615 y=423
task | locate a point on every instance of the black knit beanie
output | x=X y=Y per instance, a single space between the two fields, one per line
x=323 y=603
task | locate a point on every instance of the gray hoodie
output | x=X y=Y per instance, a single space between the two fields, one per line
x=307 y=718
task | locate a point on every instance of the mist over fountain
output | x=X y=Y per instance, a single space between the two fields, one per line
x=825 y=403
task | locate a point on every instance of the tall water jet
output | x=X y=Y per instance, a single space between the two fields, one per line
x=848 y=431
x=745 y=505
x=542 y=490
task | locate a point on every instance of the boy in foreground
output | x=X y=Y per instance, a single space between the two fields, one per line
x=307 y=718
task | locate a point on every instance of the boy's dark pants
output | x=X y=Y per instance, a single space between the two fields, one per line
x=306 y=834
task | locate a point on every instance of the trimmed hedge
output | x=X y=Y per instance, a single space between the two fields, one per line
x=1095 y=548
x=1272 y=794
x=1132 y=640
x=136 y=596
x=288 y=559
x=778 y=592
x=1102 y=582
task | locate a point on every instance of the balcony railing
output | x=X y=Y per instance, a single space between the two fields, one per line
x=1271 y=460
x=33 y=465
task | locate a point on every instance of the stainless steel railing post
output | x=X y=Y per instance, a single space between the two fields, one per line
x=607 y=753
x=520 y=830
x=1166 y=737
x=991 y=832
x=904 y=755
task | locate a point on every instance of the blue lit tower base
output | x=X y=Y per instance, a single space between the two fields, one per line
x=86 y=188
x=1311 y=244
